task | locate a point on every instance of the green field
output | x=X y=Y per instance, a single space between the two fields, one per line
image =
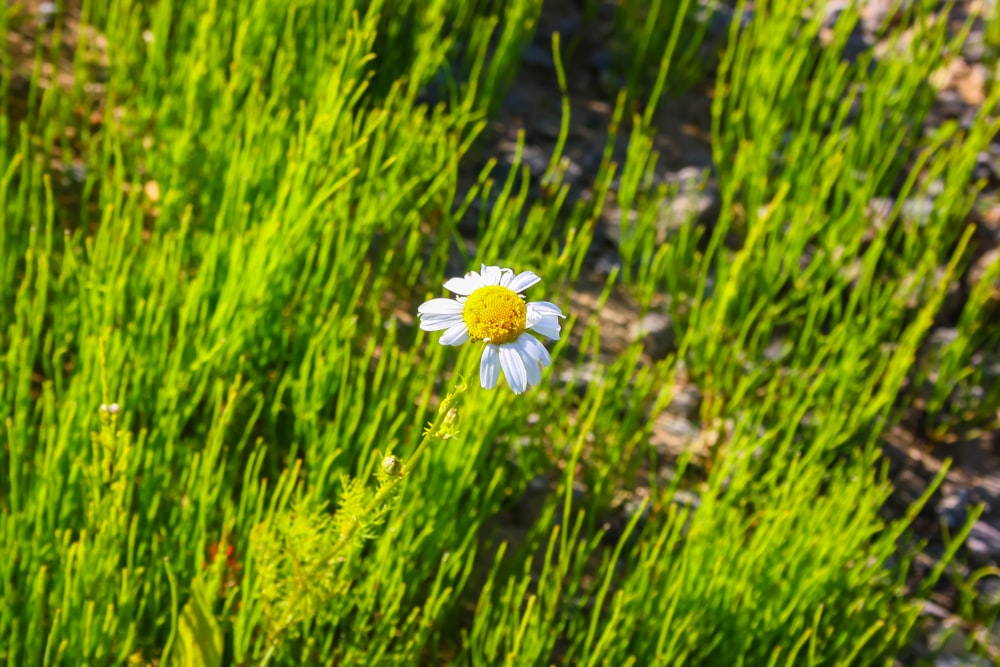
x=225 y=439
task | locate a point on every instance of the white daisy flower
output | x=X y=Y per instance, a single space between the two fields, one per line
x=490 y=308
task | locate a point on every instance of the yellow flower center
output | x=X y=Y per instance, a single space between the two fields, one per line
x=496 y=314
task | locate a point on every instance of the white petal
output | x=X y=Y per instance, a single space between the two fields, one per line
x=535 y=349
x=505 y=277
x=455 y=335
x=544 y=308
x=531 y=365
x=464 y=286
x=436 y=322
x=440 y=317
x=523 y=281
x=547 y=325
x=513 y=368
x=491 y=275
x=440 y=307
x=489 y=367
x=543 y=317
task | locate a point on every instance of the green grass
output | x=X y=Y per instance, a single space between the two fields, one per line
x=224 y=226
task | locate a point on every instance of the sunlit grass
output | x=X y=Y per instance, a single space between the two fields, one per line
x=223 y=226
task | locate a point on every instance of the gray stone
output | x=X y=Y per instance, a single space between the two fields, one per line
x=984 y=541
x=47 y=13
x=833 y=9
x=954 y=298
x=949 y=638
x=961 y=660
x=718 y=16
x=684 y=498
x=611 y=224
x=695 y=199
x=876 y=13
x=538 y=56
x=606 y=263
x=581 y=375
x=673 y=435
x=536 y=159
x=942 y=337
x=565 y=171
x=929 y=608
x=778 y=349
x=974 y=48
x=988 y=590
x=918 y=210
x=601 y=60
x=656 y=331
x=878 y=211
x=987 y=492
x=518 y=103
x=978 y=271
x=686 y=402
x=953 y=510
x=987 y=166
x=568 y=26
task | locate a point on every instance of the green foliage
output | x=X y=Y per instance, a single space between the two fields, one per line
x=661 y=42
x=307 y=557
x=201 y=642
x=213 y=394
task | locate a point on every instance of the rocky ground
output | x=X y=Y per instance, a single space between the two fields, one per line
x=916 y=449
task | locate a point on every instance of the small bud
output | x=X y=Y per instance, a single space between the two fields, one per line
x=392 y=465
x=449 y=426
